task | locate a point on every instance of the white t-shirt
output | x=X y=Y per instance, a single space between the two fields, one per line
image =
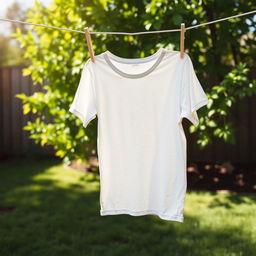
x=141 y=144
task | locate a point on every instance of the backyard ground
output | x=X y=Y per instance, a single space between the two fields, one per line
x=46 y=209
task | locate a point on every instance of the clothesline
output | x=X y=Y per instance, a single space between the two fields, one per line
x=128 y=33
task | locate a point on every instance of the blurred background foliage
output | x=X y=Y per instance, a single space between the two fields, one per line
x=11 y=53
x=223 y=56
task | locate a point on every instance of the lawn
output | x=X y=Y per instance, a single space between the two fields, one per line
x=57 y=213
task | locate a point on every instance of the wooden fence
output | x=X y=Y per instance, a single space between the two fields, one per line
x=15 y=140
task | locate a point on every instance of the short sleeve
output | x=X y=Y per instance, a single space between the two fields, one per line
x=192 y=96
x=84 y=104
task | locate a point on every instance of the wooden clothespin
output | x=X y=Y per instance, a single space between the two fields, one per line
x=182 y=39
x=89 y=43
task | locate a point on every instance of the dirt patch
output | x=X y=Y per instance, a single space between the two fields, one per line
x=5 y=210
x=91 y=166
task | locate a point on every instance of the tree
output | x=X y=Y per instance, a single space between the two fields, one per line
x=15 y=12
x=11 y=54
x=57 y=58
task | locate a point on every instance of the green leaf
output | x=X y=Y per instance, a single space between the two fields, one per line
x=212 y=123
x=229 y=103
x=26 y=109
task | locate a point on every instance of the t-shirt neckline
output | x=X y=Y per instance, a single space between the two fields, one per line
x=159 y=53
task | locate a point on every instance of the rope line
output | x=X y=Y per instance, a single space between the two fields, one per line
x=231 y=17
x=128 y=33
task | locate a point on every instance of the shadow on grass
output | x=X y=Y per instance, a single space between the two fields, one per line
x=230 y=200
x=55 y=220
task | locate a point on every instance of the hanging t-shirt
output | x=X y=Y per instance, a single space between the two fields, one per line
x=141 y=144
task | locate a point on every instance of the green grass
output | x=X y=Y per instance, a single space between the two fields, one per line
x=57 y=213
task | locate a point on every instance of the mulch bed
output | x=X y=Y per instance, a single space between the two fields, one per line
x=223 y=177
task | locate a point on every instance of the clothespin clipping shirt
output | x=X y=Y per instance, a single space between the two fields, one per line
x=182 y=39
x=89 y=43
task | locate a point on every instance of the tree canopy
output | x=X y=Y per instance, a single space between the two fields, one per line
x=223 y=55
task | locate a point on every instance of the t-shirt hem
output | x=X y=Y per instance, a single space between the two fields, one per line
x=178 y=218
x=200 y=104
x=85 y=122
x=192 y=116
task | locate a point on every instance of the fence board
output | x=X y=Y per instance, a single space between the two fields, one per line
x=25 y=88
x=15 y=112
x=6 y=110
